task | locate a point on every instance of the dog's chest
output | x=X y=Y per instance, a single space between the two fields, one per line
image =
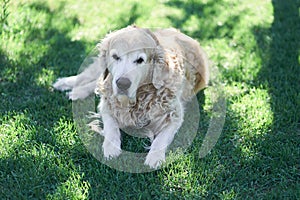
x=151 y=109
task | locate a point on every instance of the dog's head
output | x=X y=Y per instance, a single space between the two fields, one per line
x=129 y=56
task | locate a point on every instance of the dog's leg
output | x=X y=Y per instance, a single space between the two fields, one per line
x=156 y=155
x=82 y=91
x=112 y=137
x=66 y=83
x=87 y=76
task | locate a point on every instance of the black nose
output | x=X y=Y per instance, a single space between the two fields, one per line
x=123 y=83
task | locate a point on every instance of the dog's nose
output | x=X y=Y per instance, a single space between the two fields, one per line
x=123 y=83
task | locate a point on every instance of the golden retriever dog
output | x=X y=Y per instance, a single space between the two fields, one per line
x=144 y=80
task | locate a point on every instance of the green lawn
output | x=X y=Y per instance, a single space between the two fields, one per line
x=254 y=44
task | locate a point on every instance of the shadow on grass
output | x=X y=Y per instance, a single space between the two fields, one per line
x=271 y=171
x=279 y=47
x=34 y=176
x=204 y=19
x=32 y=168
x=37 y=164
x=280 y=74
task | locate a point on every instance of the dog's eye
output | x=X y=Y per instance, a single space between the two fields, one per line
x=116 y=57
x=140 y=60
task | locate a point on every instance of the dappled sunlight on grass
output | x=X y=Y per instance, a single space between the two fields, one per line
x=254 y=112
x=73 y=188
x=188 y=176
x=31 y=165
x=253 y=45
x=65 y=132
x=45 y=78
x=16 y=129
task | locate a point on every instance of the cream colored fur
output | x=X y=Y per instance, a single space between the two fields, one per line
x=165 y=69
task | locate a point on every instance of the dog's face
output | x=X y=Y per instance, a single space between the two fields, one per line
x=129 y=60
x=129 y=70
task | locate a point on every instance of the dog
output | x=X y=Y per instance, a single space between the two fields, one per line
x=144 y=79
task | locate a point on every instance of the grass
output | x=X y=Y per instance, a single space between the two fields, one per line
x=254 y=45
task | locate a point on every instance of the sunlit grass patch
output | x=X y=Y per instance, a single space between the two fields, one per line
x=16 y=129
x=65 y=132
x=254 y=111
x=255 y=118
x=73 y=188
x=45 y=78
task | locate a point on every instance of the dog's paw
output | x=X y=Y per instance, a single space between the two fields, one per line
x=63 y=84
x=78 y=93
x=111 y=150
x=75 y=95
x=155 y=159
x=95 y=126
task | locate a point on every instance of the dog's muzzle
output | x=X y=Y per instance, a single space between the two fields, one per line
x=123 y=85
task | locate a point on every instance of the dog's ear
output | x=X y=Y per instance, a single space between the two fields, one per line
x=102 y=48
x=168 y=72
x=103 y=83
x=103 y=52
x=203 y=70
x=160 y=68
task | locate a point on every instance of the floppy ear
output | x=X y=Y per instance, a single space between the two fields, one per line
x=160 y=68
x=103 y=48
x=203 y=70
x=158 y=60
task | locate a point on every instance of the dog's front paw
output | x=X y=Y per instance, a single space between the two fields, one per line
x=63 y=84
x=155 y=159
x=77 y=93
x=111 y=150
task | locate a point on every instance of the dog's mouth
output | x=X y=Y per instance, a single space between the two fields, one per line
x=122 y=92
x=125 y=100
